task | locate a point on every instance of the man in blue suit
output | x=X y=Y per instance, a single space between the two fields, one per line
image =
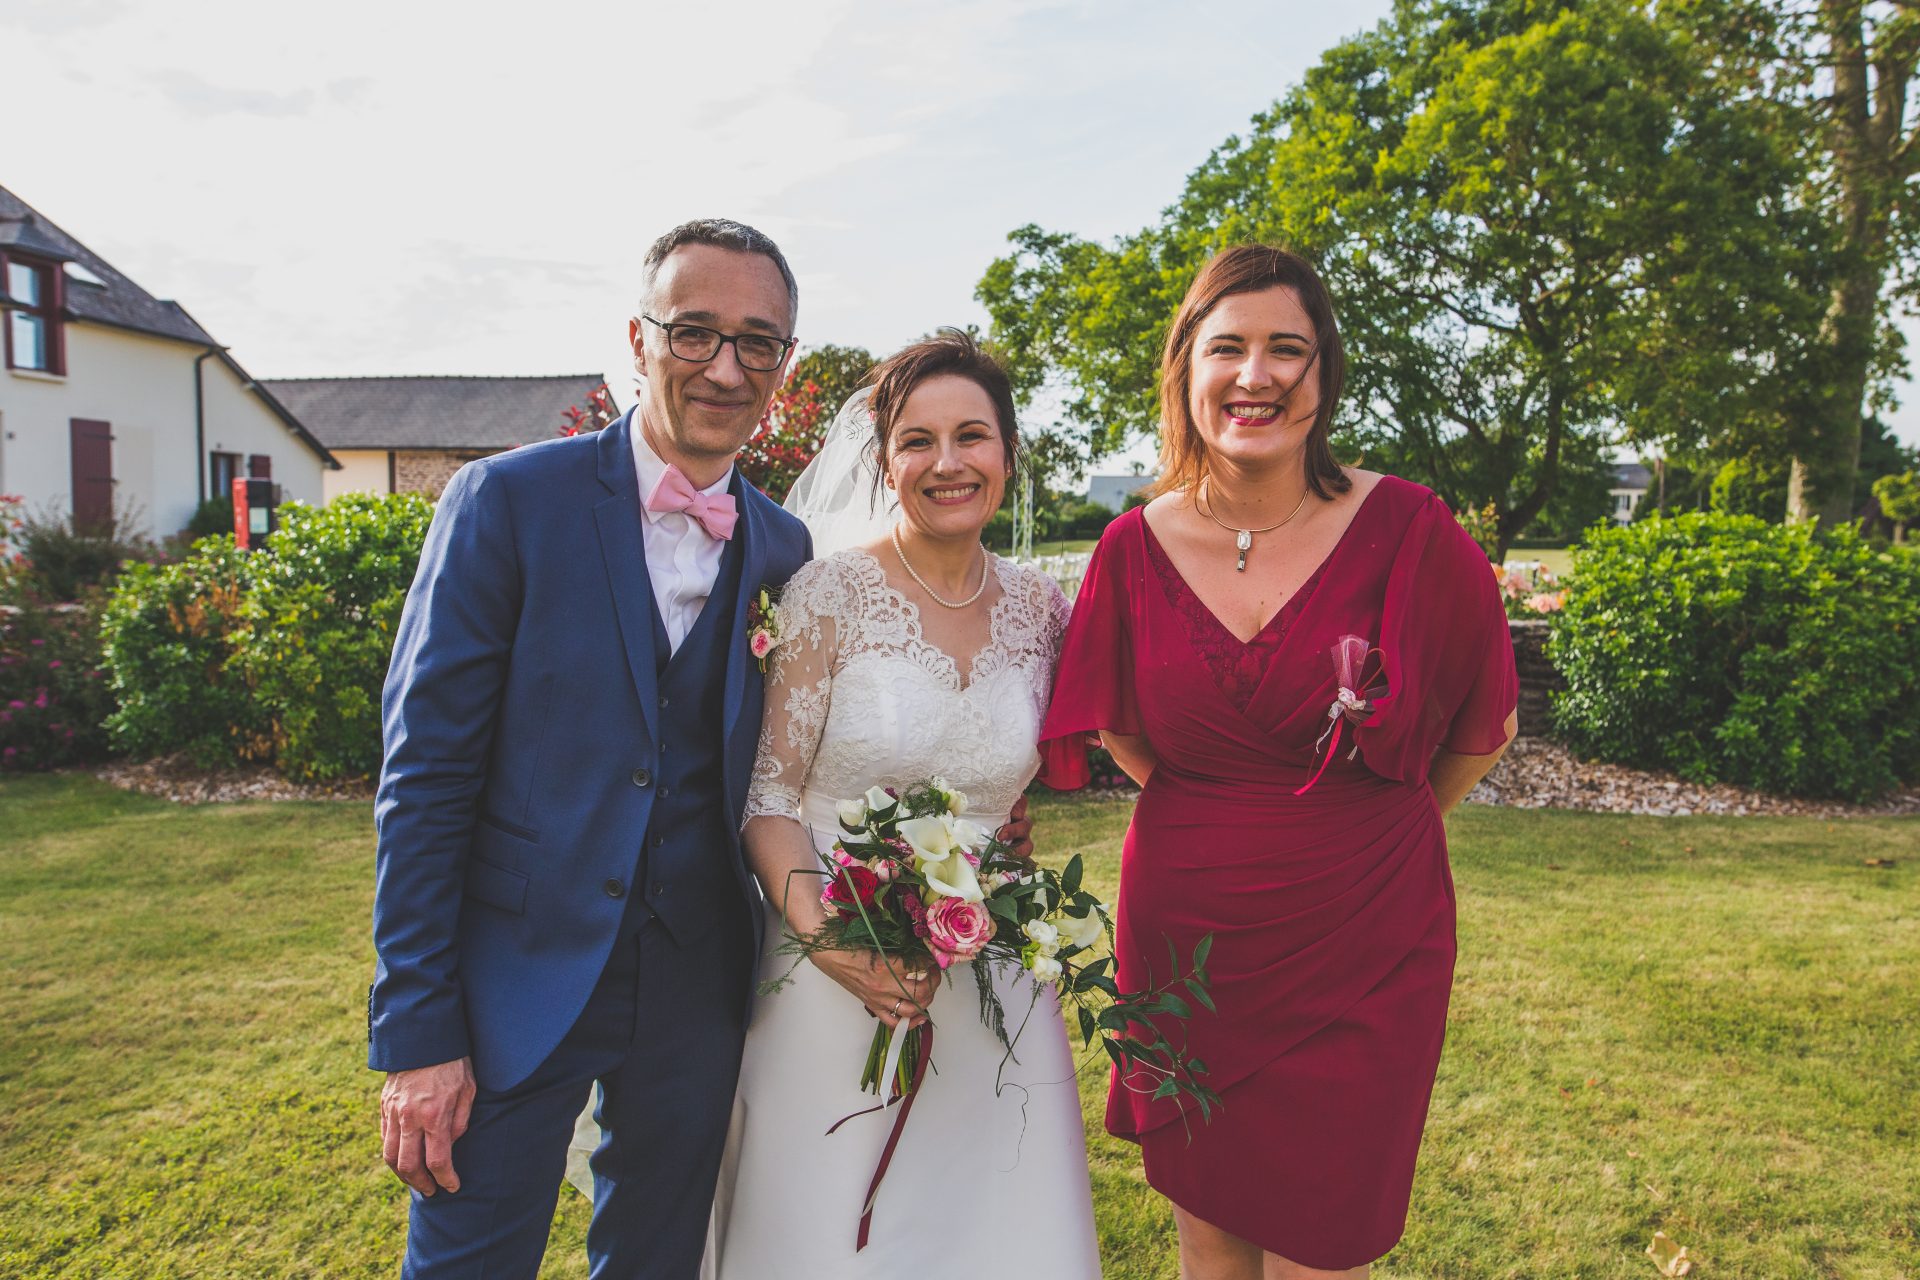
x=571 y=718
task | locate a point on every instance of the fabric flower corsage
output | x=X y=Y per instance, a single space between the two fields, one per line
x=763 y=628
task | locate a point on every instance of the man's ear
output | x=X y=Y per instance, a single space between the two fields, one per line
x=636 y=339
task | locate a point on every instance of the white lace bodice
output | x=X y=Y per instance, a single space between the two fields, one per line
x=856 y=698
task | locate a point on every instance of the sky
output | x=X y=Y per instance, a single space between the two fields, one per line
x=405 y=188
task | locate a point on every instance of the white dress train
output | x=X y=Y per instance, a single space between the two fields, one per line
x=985 y=1175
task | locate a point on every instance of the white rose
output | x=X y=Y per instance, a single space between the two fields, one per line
x=1041 y=932
x=1081 y=931
x=956 y=800
x=1045 y=969
x=852 y=813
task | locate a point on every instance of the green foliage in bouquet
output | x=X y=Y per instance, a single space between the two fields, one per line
x=170 y=638
x=911 y=879
x=1729 y=649
x=321 y=621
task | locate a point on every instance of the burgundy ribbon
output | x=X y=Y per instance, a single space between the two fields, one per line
x=921 y=1058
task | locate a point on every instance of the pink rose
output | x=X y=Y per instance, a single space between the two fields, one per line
x=761 y=644
x=957 y=930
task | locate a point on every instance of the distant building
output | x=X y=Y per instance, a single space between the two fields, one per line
x=114 y=400
x=410 y=434
x=1631 y=480
x=1112 y=492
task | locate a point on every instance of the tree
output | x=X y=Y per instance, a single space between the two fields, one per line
x=1899 y=501
x=1545 y=224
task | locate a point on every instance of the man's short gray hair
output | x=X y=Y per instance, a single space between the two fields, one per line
x=721 y=233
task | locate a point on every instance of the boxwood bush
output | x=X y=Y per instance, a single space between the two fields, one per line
x=1729 y=649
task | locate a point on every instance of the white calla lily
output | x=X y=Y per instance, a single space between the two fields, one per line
x=931 y=838
x=953 y=877
x=1081 y=931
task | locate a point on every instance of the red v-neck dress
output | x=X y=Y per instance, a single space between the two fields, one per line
x=1332 y=913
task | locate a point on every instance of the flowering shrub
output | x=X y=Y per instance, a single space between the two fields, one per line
x=1529 y=588
x=1730 y=649
x=53 y=696
x=788 y=436
x=171 y=635
x=596 y=412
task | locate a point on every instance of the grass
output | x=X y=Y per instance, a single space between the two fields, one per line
x=1702 y=1026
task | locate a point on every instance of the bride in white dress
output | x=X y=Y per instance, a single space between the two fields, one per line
x=913 y=655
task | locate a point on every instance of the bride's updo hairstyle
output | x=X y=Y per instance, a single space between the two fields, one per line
x=948 y=353
x=1248 y=268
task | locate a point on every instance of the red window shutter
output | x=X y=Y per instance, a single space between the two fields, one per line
x=92 y=448
x=259 y=466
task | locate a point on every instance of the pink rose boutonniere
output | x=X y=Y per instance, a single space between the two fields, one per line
x=763 y=627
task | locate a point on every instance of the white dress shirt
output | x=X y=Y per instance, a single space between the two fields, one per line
x=682 y=558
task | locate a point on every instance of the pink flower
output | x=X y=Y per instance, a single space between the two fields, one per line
x=760 y=645
x=957 y=930
x=1547 y=601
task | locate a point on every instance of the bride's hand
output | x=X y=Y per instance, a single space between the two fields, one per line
x=889 y=990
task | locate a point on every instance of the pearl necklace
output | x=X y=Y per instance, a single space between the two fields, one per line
x=1243 y=538
x=937 y=598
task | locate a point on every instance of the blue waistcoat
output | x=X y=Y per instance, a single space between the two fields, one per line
x=685 y=876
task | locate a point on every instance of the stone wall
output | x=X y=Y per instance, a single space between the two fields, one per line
x=1537 y=676
x=428 y=470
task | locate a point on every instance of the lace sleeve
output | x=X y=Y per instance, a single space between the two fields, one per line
x=799 y=691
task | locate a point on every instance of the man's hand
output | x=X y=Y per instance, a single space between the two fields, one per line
x=882 y=983
x=422 y=1113
x=1019 y=830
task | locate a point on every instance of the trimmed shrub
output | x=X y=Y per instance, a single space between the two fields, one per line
x=1728 y=649
x=320 y=625
x=171 y=634
x=212 y=518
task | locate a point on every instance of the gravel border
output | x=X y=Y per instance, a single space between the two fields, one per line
x=1535 y=774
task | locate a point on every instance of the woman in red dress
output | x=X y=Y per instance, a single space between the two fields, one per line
x=1202 y=650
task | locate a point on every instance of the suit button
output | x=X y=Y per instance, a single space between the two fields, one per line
x=659 y=888
x=642 y=778
x=663 y=704
x=665 y=792
x=613 y=887
x=659 y=841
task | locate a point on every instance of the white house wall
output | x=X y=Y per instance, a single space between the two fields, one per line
x=361 y=471
x=143 y=387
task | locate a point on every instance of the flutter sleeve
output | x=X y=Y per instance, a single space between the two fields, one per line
x=799 y=686
x=1446 y=650
x=1093 y=689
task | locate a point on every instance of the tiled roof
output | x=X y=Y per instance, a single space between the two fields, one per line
x=119 y=301
x=433 y=412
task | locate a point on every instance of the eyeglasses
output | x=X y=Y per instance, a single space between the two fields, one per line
x=699 y=345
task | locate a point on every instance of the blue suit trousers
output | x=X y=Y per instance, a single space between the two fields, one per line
x=662 y=1034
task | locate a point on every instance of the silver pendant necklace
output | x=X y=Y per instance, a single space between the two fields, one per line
x=937 y=598
x=1242 y=538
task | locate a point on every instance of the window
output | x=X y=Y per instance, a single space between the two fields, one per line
x=225 y=466
x=33 y=337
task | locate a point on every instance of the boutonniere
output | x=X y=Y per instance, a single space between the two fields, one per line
x=763 y=627
x=1358 y=686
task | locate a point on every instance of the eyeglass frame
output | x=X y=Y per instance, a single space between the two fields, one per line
x=786 y=344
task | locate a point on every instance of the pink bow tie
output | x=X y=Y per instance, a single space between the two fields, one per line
x=675 y=492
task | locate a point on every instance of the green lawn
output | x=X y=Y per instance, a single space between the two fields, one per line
x=1703 y=1026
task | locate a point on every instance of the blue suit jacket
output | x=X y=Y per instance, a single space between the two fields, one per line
x=520 y=710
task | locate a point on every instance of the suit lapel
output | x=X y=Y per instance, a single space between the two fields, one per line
x=752 y=529
x=624 y=549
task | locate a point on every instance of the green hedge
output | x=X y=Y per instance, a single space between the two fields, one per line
x=278 y=654
x=53 y=694
x=171 y=635
x=1729 y=649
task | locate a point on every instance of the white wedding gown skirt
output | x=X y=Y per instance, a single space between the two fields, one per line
x=986 y=1177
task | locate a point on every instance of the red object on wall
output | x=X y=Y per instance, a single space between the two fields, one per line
x=92 y=450
x=240 y=512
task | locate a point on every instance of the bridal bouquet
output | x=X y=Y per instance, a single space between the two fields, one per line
x=912 y=879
